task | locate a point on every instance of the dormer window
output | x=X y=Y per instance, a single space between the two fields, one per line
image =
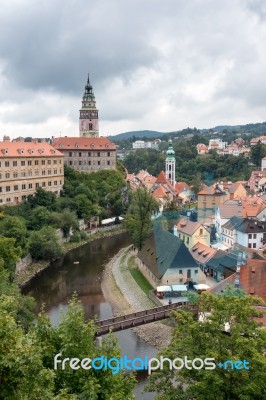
x=52 y=151
x=107 y=145
x=41 y=151
x=21 y=151
x=31 y=151
x=92 y=145
x=5 y=151
x=76 y=145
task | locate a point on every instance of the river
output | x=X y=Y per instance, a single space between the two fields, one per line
x=55 y=286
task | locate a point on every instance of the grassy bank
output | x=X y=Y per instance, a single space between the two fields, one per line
x=138 y=276
x=36 y=267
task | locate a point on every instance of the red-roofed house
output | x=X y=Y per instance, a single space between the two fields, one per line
x=26 y=166
x=87 y=154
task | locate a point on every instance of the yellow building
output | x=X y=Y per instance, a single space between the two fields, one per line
x=209 y=198
x=26 y=166
x=191 y=233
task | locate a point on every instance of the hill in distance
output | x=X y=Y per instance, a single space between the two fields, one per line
x=138 y=135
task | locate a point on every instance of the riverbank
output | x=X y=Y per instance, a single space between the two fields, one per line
x=125 y=296
x=24 y=277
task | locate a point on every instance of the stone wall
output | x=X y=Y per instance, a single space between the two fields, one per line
x=23 y=263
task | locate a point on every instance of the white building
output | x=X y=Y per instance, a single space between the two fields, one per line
x=141 y=144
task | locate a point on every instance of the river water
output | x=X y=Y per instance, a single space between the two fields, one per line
x=55 y=286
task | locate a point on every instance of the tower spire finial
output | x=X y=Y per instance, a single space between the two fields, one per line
x=88 y=81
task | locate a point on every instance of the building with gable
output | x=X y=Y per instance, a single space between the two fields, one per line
x=87 y=154
x=165 y=260
x=27 y=166
x=192 y=232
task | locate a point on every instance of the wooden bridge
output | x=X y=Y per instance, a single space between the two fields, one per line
x=139 y=318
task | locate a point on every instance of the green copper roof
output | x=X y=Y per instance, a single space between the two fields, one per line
x=170 y=152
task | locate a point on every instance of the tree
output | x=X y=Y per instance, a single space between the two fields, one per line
x=64 y=220
x=206 y=339
x=44 y=244
x=27 y=358
x=42 y=198
x=15 y=227
x=138 y=219
x=9 y=253
x=257 y=152
x=38 y=218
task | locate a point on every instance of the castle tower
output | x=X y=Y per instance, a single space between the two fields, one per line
x=170 y=163
x=88 y=118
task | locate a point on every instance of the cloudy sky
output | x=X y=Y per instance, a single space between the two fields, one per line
x=154 y=64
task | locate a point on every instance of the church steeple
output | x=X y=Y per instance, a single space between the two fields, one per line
x=88 y=118
x=170 y=163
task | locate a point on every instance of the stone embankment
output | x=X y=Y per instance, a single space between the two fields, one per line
x=125 y=296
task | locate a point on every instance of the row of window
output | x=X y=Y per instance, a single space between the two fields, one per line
x=29 y=162
x=24 y=186
x=90 y=163
x=89 y=154
x=24 y=174
x=17 y=199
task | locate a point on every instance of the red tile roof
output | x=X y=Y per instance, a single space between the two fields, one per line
x=27 y=149
x=188 y=227
x=83 y=143
x=160 y=192
x=202 y=253
x=180 y=186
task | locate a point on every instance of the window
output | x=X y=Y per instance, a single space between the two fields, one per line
x=108 y=154
x=43 y=184
x=180 y=271
x=196 y=271
x=99 y=162
x=15 y=163
x=254 y=236
x=43 y=172
x=55 y=171
x=80 y=154
x=90 y=127
x=37 y=185
x=36 y=162
x=30 y=185
x=70 y=154
x=108 y=162
x=49 y=172
x=8 y=189
x=55 y=162
x=49 y=183
x=80 y=162
x=249 y=245
x=49 y=162
x=15 y=187
x=0 y=189
x=15 y=175
x=55 y=183
x=89 y=162
x=43 y=162
x=98 y=154
x=70 y=162
x=29 y=162
x=23 y=174
x=23 y=187
x=22 y=163
x=7 y=175
x=6 y=163
x=254 y=245
x=89 y=154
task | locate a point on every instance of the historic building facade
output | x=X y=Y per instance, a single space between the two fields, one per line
x=88 y=115
x=87 y=154
x=24 y=167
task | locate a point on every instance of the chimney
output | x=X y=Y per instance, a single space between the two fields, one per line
x=6 y=138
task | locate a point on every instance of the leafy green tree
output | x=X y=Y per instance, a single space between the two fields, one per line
x=138 y=219
x=9 y=252
x=64 y=220
x=38 y=218
x=206 y=339
x=44 y=244
x=257 y=152
x=42 y=198
x=15 y=227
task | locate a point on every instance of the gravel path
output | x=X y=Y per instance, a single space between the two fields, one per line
x=123 y=293
x=127 y=284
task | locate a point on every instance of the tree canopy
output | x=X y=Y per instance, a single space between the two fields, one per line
x=205 y=338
